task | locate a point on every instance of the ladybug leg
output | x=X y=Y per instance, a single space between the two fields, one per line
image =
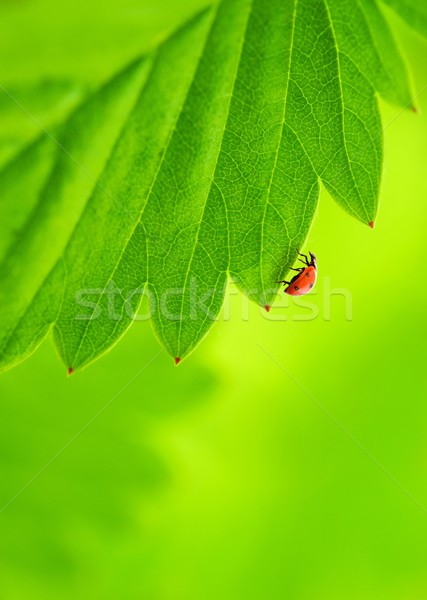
x=299 y=270
x=284 y=282
x=305 y=257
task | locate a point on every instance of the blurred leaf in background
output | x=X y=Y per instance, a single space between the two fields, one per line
x=54 y=55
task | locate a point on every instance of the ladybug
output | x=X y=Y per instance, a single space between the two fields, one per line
x=305 y=278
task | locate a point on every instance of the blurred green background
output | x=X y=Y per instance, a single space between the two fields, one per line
x=286 y=458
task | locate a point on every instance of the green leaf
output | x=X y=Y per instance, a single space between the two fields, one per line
x=199 y=161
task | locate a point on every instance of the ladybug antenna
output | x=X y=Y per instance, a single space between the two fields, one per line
x=313 y=259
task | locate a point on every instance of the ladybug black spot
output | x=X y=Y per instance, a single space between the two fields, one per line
x=311 y=285
x=307 y=274
x=296 y=287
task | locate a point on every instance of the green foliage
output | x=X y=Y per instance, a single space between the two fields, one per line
x=199 y=160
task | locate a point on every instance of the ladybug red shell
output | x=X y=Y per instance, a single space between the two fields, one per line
x=303 y=282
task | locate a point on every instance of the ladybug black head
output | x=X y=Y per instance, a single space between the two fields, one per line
x=313 y=259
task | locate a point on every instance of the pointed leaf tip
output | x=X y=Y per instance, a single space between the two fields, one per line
x=70 y=371
x=177 y=360
x=267 y=308
x=371 y=224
